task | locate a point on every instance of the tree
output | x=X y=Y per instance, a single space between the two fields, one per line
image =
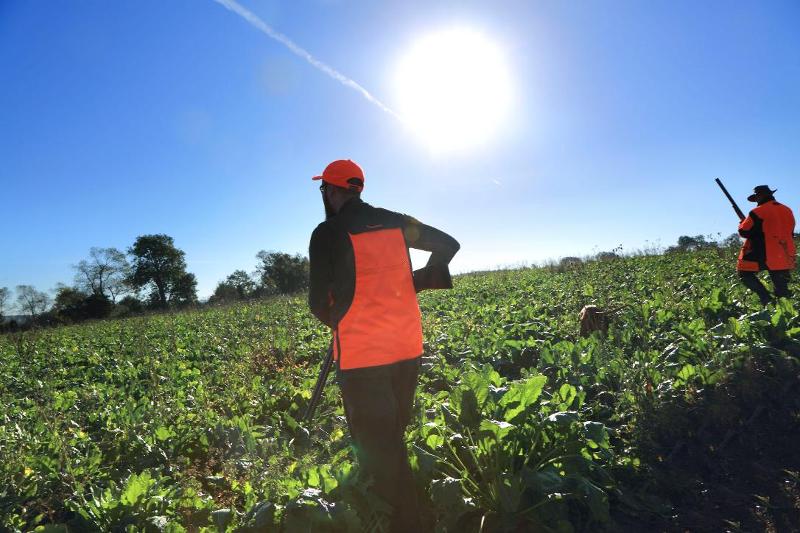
x=74 y=305
x=698 y=242
x=237 y=286
x=5 y=295
x=607 y=256
x=687 y=243
x=69 y=303
x=129 y=305
x=32 y=301
x=97 y=306
x=282 y=273
x=224 y=293
x=105 y=273
x=184 y=290
x=242 y=283
x=568 y=263
x=158 y=263
x=731 y=241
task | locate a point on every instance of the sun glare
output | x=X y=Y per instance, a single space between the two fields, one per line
x=453 y=89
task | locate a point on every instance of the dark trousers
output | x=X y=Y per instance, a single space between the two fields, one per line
x=780 y=279
x=378 y=404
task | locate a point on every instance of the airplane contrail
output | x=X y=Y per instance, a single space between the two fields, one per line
x=297 y=50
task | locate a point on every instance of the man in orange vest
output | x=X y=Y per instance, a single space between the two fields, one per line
x=363 y=288
x=769 y=245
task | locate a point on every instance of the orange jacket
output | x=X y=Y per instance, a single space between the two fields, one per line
x=769 y=234
x=383 y=324
x=362 y=286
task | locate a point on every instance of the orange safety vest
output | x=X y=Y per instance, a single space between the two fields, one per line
x=769 y=229
x=383 y=324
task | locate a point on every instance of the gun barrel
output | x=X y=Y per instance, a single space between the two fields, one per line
x=320 y=385
x=730 y=199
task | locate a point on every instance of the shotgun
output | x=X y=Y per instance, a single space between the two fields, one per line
x=730 y=199
x=320 y=386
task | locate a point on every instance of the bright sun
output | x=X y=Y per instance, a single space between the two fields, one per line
x=453 y=89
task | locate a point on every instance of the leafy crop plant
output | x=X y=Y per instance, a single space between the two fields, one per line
x=682 y=416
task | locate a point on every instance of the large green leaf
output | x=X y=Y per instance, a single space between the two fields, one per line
x=522 y=395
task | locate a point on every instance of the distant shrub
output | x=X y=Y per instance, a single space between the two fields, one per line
x=731 y=241
x=128 y=306
x=568 y=263
x=607 y=256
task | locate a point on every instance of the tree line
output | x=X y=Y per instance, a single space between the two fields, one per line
x=150 y=276
x=685 y=243
x=276 y=273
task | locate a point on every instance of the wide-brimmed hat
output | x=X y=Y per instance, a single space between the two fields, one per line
x=760 y=189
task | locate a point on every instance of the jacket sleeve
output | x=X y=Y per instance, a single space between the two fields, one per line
x=435 y=274
x=423 y=237
x=320 y=299
x=747 y=226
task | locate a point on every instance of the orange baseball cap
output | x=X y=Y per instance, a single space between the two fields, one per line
x=340 y=172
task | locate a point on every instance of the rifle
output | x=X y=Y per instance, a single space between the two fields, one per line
x=730 y=199
x=320 y=386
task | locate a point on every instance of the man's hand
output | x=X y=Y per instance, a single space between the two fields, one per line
x=432 y=277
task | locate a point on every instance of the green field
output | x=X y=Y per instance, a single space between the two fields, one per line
x=684 y=417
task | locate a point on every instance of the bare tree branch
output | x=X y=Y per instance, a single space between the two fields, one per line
x=104 y=274
x=32 y=301
x=5 y=295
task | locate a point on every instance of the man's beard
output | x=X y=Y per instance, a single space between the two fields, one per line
x=329 y=212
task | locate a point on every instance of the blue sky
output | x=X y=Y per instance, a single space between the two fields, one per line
x=131 y=117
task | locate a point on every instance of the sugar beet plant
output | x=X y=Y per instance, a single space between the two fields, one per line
x=513 y=459
x=190 y=422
